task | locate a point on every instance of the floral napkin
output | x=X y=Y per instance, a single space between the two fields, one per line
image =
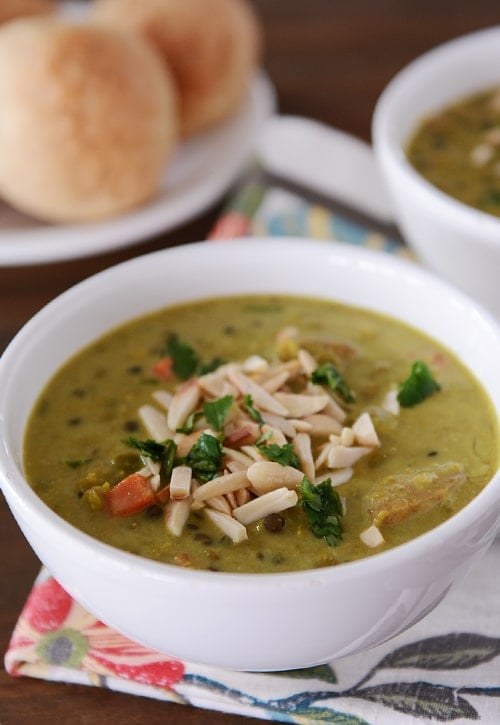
x=444 y=669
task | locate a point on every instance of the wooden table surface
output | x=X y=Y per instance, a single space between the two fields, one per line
x=328 y=60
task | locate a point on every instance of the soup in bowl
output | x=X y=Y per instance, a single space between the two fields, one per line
x=269 y=427
x=434 y=140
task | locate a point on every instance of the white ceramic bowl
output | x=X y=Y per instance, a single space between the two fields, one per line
x=460 y=243
x=241 y=621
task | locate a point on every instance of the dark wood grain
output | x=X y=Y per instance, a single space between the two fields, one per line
x=329 y=60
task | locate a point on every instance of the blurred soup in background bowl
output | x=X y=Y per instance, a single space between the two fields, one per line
x=454 y=228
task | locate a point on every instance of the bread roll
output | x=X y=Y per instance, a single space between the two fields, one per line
x=89 y=118
x=212 y=46
x=11 y=9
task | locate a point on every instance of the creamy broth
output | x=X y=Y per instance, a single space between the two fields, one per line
x=78 y=436
x=458 y=150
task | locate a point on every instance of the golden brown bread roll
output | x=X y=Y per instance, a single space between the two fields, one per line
x=212 y=47
x=89 y=118
x=10 y=9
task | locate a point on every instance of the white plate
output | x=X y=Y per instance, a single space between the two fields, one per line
x=202 y=170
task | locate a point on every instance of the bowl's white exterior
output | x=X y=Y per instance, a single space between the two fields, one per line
x=252 y=622
x=459 y=242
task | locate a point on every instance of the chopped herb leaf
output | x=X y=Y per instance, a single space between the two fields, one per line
x=77 y=462
x=264 y=437
x=210 y=366
x=216 y=411
x=190 y=423
x=327 y=374
x=185 y=360
x=168 y=459
x=148 y=448
x=252 y=412
x=205 y=457
x=418 y=386
x=280 y=454
x=162 y=453
x=323 y=508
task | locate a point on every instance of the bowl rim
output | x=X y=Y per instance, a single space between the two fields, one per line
x=391 y=151
x=15 y=487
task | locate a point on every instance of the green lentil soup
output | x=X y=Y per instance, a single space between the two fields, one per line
x=458 y=150
x=260 y=434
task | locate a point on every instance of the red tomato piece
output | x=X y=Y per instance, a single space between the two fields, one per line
x=131 y=495
x=163 y=369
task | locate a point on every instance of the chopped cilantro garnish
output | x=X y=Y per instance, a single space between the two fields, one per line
x=185 y=360
x=77 y=462
x=205 y=457
x=264 y=437
x=188 y=426
x=418 y=386
x=148 y=448
x=280 y=454
x=323 y=508
x=252 y=412
x=162 y=453
x=210 y=366
x=327 y=374
x=168 y=460
x=216 y=411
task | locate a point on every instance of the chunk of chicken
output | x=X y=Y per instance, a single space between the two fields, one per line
x=397 y=497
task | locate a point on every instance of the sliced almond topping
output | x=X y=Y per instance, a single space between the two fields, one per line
x=302 y=447
x=183 y=403
x=301 y=425
x=279 y=374
x=347 y=437
x=219 y=503
x=337 y=478
x=270 y=503
x=322 y=458
x=242 y=496
x=372 y=536
x=185 y=441
x=343 y=456
x=243 y=435
x=221 y=485
x=255 y=364
x=333 y=408
x=321 y=425
x=307 y=362
x=163 y=398
x=391 y=403
x=176 y=515
x=364 y=430
x=252 y=452
x=269 y=475
x=298 y=405
x=153 y=467
x=234 y=455
x=283 y=424
x=212 y=384
x=234 y=466
x=180 y=482
x=155 y=423
x=276 y=435
x=228 y=525
x=276 y=382
x=260 y=397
